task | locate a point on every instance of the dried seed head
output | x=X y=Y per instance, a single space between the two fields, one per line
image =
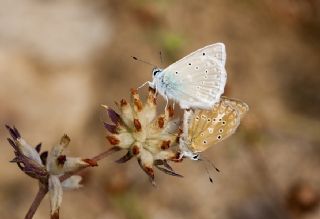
x=145 y=134
x=49 y=166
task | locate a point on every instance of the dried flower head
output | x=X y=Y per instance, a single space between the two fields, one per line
x=48 y=167
x=152 y=138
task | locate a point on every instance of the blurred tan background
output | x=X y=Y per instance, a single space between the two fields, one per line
x=59 y=60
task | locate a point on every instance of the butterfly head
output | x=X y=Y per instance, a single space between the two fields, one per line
x=195 y=157
x=191 y=155
x=156 y=72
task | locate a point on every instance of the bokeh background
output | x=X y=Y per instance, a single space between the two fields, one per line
x=59 y=60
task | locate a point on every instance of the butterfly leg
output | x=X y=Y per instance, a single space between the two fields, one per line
x=155 y=94
x=167 y=102
x=144 y=84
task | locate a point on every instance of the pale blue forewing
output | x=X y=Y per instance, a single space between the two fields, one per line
x=197 y=80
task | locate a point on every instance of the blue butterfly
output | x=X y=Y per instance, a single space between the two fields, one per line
x=196 y=81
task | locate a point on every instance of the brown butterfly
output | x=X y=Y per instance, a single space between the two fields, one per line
x=204 y=128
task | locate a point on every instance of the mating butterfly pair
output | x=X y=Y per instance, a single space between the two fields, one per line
x=197 y=82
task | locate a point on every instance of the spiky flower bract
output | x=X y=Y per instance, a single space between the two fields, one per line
x=151 y=138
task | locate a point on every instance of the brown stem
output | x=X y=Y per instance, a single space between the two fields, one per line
x=43 y=189
x=106 y=153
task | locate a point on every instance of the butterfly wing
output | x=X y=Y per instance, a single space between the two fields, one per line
x=197 y=80
x=241 y=106
x=210 y=127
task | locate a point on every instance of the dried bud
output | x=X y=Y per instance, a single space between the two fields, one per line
x=49 y=167
x=65 y=140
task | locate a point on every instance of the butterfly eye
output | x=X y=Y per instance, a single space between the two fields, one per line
x=195 y=157
x=155 y=71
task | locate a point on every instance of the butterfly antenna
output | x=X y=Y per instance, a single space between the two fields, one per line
x=140 y=60
x=161 y=58
x=211 y=164
x=207 y=171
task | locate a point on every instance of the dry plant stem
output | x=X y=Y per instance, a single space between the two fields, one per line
x=43 y=188
x=37 y=200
